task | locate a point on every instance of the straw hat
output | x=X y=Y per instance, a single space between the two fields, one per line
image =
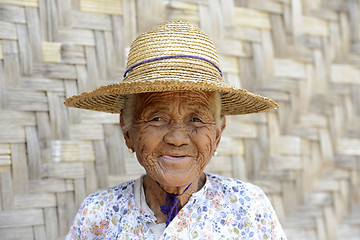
x=173 y=56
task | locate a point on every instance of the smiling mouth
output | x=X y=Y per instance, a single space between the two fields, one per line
x=169 y=157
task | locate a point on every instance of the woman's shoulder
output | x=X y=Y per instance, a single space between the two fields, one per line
x=235 y=193
x=101 y=211
x=118 y=194
x=233 y=186
x=244 y=205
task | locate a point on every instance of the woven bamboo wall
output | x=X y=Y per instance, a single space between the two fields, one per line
x=305 y=54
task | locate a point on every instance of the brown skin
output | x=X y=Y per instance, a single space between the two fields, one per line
x=174 y=135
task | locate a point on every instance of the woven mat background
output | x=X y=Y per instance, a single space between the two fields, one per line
x=305 y=54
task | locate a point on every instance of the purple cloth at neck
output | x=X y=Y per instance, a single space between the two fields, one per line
x=171 y=209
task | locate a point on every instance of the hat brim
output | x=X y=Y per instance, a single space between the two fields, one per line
x=110 y=98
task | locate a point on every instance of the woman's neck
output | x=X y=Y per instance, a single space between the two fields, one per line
x=156 y=196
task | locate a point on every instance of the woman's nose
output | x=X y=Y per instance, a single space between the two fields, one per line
x=177 y=136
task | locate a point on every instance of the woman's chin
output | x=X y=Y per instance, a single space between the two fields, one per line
x=175 y=177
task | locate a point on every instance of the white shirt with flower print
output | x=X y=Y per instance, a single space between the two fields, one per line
x=224 y=208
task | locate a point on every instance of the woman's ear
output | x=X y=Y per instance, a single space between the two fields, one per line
x=219 y=130
x=127 y=136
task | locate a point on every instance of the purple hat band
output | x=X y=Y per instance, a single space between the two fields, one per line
x=171 y=56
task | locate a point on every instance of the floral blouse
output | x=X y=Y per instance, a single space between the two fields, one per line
x=224 y=208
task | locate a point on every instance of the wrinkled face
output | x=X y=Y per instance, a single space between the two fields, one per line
x=174 y=134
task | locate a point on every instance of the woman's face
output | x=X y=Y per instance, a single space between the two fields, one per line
x=174 y=134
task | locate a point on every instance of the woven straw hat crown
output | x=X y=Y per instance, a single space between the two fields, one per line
x=173 y=56
x=172 y=38
x=174 y=46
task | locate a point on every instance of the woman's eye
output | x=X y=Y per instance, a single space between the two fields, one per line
x=156 y=119
x=195 y=119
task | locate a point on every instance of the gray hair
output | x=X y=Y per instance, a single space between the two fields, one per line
x=127 y=111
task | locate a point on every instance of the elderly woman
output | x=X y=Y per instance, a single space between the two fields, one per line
x=172 y=104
